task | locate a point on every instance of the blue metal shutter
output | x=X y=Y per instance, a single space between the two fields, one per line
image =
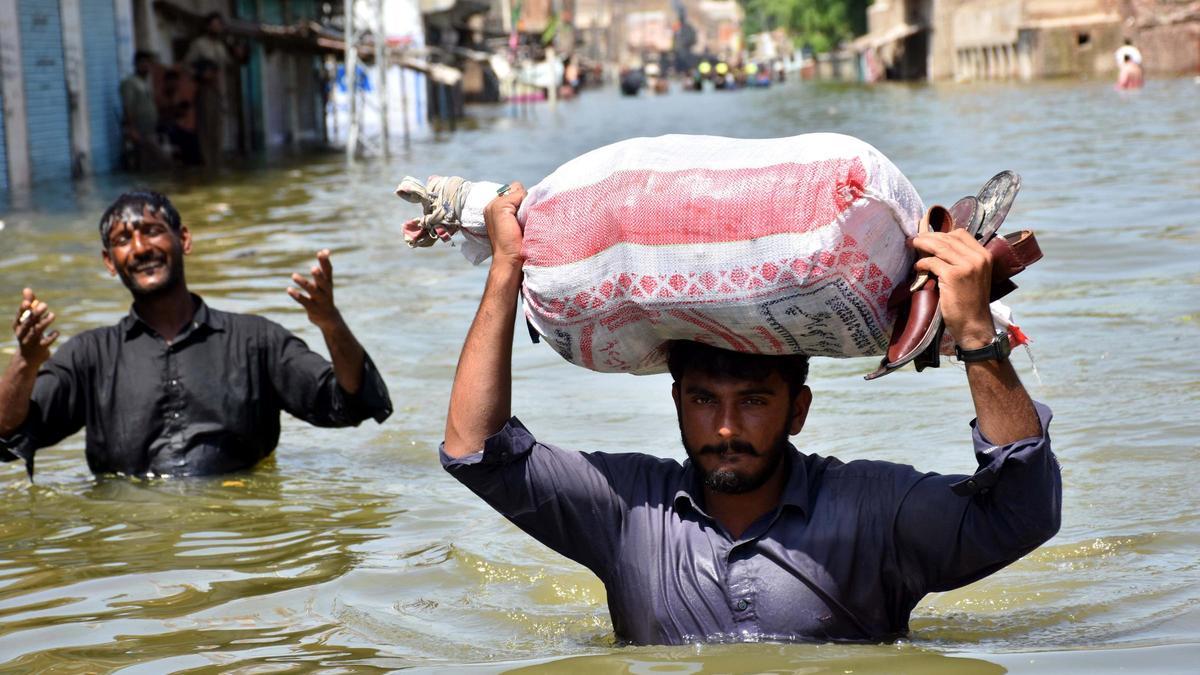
x=3 y=152
x=45 y=90
x=103 y=82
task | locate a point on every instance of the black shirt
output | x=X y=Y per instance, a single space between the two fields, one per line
x=207 y=403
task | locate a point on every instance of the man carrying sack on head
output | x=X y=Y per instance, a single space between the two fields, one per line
x=750 y=538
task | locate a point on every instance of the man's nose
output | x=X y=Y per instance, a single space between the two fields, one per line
x=137 y=244
x=730 y=423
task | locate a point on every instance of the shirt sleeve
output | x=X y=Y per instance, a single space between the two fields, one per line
x=56 y=407
x=567 y=500
x=308 y=389
x=953 y=530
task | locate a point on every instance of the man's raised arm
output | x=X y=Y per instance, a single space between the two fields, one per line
x=481 y=399
x=963 y=267
x=16 y=384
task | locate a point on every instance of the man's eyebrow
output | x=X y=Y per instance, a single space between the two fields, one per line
x=757 y=391
x=750 y=391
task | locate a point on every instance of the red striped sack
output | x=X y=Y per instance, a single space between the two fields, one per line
x=775 y=246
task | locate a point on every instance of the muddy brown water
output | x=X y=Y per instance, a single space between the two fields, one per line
x=353 y=550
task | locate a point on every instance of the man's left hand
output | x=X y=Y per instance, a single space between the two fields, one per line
x=319 y=299
x=963 y=268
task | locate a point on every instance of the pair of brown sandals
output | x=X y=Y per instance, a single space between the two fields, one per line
x=917 y=333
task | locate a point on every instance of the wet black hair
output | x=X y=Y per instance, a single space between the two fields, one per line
x=135 y=202
x=212 y=15
x=688 y=356
x=143 y=54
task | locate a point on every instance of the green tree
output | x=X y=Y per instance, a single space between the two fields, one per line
x=819 y=24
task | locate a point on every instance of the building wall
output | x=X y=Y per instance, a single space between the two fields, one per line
x=45 y=90
x=103 y=81
x=941 y=40
x=1058 y=52
x=883 y=15
x=1056 y=9
x=1170 y=49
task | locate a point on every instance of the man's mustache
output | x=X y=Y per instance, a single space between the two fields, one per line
x=145 y=261
x=734 y=446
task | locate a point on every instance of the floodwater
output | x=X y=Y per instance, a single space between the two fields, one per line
x=353 y=550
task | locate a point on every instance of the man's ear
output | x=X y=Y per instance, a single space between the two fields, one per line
x=112 y=269
x=800 y=408
x=185 y=236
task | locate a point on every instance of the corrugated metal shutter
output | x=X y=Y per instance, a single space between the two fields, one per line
x=45 y=90
x=103 y=82
x=3 y=150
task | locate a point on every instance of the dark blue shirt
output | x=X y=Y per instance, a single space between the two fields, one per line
x=847 y=555
x=206 y=403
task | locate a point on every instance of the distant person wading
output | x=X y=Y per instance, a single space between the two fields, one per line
x=1130 y=74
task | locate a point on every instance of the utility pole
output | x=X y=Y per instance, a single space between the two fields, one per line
x=351 y=80
x=364 y=28
x=383 y=63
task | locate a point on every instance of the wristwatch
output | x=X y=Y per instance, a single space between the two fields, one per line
x=996 y=350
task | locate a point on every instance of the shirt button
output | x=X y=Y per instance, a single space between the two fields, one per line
x=742 y=605
x=971 y=484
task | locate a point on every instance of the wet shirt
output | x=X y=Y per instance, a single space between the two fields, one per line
x=846 y=556
x=207 y=403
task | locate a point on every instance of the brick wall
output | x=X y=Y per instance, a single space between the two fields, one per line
x=45 y=90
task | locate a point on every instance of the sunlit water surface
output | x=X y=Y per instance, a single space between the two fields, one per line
x=353 y=549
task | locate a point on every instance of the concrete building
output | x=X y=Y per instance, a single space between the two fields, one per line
x=275 y=98
x=718 y=27
x=1026 y=39
x=998 y=39
x=62 y=61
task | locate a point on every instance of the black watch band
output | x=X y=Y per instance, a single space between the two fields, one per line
x=996 y=350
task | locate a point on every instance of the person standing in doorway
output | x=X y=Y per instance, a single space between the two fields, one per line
x=210 y=54
x=139 y=121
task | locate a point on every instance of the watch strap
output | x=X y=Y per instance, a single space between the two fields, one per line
x=996 y=350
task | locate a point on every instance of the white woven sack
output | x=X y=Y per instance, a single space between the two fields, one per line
x=775 y=246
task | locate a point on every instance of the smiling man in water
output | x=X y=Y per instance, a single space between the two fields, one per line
x=177 y=387
x=750 y=538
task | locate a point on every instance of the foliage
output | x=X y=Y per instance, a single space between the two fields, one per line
x=818 y=24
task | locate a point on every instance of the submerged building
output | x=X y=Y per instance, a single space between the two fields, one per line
x=62 y=63
x=1026 y=39
x=58 y=83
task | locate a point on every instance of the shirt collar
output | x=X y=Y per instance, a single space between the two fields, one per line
x=795 y=491
x=132 y=325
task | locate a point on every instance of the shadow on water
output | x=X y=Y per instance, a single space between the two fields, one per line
x=353 y=549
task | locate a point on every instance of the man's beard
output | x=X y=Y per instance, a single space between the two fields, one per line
x=727 y=481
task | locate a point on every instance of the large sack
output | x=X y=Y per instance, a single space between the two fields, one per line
x=778 y=246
